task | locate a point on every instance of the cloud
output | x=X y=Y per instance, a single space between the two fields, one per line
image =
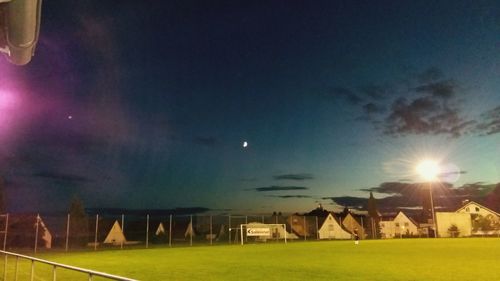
x=441 y=89
x=398 y=195
x=279 y=188
x=430 y=74
x=290 y=196
x=424 y=115
x=205 y=141
x=376 y=92
x=61 y=177
x=347 y=201
x=248 y=179
x=372 y=108
x=489 y=122
x=345 y=94
x=425 y=103
x=400 y=188
x=393 y=188
x=431 y=107
x=297 y=177
x=451 y=173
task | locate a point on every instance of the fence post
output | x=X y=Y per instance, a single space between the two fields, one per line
x=123 y=230
x=5 y=268
x=317 y=229
x=229 y=229
x=170 y=232
x=362 y=229
x=36 y=231
x=96 y=228
x=352 y=229
x=305 y=230
x=32 y=275
x=241 y=230
x=211 y=230
x=54 y=277
x=191 y=230
x=15 y=270
x=147 y=231
x=67 y=232
x=5 y=234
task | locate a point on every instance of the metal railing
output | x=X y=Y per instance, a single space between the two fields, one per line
x=90 y=273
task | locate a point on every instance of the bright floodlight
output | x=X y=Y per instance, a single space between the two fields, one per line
x=428 y=169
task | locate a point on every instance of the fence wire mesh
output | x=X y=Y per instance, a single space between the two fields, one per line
x=39 y=232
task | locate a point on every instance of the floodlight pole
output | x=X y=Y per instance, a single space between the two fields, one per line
x=432 y=210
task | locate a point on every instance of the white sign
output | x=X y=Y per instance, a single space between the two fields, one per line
x=258 y=231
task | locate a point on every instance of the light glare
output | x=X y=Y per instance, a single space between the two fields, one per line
x=428 y=170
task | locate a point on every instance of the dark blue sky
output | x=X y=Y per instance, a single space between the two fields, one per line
x=146 y=104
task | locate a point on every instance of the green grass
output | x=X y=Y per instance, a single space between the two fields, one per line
x=407 y=259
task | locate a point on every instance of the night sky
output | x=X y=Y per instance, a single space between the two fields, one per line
x=147 y=104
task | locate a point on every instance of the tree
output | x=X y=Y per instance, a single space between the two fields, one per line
x=345 y=212
x=493 y=198
x=374 y=218
x=372 y=207
x=480 y=223
x=453 y=231
x=426 y=214
x=78 y=224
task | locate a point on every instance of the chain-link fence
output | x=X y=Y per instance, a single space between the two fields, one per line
x=38 y=232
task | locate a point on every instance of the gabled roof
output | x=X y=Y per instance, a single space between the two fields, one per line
x=477 y=204
x=357 y=218
x=321 y=220
x=115 y=234
x=409 y=218
x=391 y=218
x=103 y=228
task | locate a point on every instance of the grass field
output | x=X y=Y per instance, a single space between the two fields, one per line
x=407 y=259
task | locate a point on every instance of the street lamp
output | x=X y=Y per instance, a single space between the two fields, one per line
x=429 y=170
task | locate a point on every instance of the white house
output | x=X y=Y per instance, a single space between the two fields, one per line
x=446 y=220
x=160 y=229
x=478 y=212
x=478 y=209
x=331 y=229
x=401 y=225
x=189 y=230
x=115 y=235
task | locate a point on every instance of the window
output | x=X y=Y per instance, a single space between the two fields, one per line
x=407 y=224
x=397 y=224
x=467 y=209
x=477 y=209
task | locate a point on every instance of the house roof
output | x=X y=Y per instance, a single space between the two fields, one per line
x=391 y=218
x=321 y=220
x=475 y=203
x=319 y=212
x=409 y=218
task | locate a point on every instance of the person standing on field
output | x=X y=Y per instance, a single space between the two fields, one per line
x=356 y=236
